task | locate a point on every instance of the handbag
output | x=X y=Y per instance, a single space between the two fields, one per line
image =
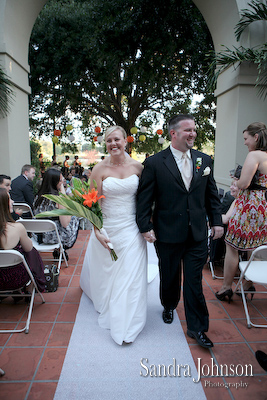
x=51 y=278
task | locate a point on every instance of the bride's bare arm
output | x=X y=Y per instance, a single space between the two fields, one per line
x=97 y=175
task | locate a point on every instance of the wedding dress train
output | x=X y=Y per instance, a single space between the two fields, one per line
x=118 y=289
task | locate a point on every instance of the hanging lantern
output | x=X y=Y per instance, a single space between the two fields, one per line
x=142 y=138
x=143 y=129
x=71 y=138
x=130 y=139
x=99 y=139
x=161 y=140
x=97 y=129
x=134 y=130
x=159 y=131
x=55 y=139
x=69 y=127
x=95 y=138
x=57 y=132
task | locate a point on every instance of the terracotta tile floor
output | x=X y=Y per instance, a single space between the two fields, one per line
x=32 y=362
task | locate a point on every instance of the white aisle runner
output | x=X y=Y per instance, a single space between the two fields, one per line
x=96 y=368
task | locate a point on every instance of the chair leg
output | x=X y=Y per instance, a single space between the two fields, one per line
x=30 y=311
x=245 y=305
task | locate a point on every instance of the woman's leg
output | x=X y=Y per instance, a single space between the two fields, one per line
x=230 y=267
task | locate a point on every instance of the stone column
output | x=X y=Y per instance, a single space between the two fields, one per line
x=16 y=21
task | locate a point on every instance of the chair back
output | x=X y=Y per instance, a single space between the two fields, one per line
x=10 y=257
x=24 y=207
x=39 y=225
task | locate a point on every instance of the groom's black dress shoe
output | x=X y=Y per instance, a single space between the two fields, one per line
x=167 y=316
x=262 y=359
x=201 y=338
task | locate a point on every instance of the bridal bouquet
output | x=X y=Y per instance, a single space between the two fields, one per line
x=83 y=203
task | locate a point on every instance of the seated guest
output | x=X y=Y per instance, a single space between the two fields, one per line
x=22 y=187
x=53 y=183
x=13 y=236
x=5 y=183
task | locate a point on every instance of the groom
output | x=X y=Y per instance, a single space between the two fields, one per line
x=178 y=185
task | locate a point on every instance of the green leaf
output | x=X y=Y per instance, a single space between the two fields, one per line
x=72 y=208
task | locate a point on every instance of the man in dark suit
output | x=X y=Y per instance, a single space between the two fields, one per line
x=22 y=187
x=178 y=223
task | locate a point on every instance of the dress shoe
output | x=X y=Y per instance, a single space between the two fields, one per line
x=251 y=289
x=262 y=359
x=201 y=338
x=222 y=296
x=167 y=316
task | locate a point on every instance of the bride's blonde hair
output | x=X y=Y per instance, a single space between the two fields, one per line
x=114 y=128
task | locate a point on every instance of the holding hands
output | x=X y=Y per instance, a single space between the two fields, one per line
x=149 y=236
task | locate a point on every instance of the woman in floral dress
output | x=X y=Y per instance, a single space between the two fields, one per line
x=247 y=228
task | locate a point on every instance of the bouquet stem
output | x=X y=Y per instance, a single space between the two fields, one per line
x=114 y=256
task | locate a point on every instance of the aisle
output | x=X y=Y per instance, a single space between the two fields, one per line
x=95 y=367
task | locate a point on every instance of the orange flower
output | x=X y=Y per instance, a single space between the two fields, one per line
x=91 y=197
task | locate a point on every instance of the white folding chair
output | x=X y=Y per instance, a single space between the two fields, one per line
x=11 y=258
x=24 y=207
x=255 y=270
x=41 y=226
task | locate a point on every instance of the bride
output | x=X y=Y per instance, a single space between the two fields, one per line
x=117 y=288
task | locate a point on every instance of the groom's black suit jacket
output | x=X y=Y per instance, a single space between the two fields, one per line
x=175 y=208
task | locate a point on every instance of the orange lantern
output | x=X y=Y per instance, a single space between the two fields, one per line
x=130 y=139
x=159 y=131
x=97 y=129
x=57 y=132
x=95 y=138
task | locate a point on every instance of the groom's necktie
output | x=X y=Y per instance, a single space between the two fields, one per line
x=186 y=170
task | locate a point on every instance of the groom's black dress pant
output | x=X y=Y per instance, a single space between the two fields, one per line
x=192 y=256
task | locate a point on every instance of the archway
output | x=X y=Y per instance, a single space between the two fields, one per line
x=237 y=101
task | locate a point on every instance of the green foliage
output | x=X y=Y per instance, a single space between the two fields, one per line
x=115 y=62
x=35 y=149
x=71 y=208
x=257 y=55
x=6 y=93
x=68 y=148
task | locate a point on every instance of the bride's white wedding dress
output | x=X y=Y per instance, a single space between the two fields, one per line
x=118 y=289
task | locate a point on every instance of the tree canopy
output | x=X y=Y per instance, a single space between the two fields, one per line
x=117 y=61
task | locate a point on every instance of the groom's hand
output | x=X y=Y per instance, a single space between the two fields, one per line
x=217 y=232
x=150 y=236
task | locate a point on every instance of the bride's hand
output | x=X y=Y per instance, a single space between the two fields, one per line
x=102 y=239
x=150 y=236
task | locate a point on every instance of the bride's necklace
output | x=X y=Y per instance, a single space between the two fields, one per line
x=118 y=164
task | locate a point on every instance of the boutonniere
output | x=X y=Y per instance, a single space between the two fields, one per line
x=206 y=171
x=198 y=163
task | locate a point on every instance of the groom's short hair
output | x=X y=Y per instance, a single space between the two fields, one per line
x=174 y=121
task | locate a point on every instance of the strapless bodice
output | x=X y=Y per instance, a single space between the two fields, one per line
x=120 y=197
